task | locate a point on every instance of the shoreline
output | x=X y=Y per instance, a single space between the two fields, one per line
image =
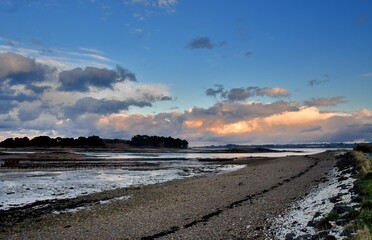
x=235 y=204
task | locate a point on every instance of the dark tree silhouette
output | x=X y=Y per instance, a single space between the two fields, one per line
x=156 y=141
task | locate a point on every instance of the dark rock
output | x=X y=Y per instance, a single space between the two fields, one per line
x=356 y=199
x=312 y=223
x=289 y=236
x=340 y=209
x=304 y=237
x=317 y=214
x=330 y=237
x=320 y=235
x=347 y=232
x=343 y=186
x=336 y=198
x=323 y=224
x=342 y=222
x=352 y=215
x=342 y=178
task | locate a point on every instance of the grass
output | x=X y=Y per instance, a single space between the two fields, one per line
x=364 y=165
x=364 y=221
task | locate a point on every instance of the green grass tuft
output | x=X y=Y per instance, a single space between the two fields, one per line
x=364 y=166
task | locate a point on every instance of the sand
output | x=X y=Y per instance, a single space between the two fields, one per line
x=236 y=205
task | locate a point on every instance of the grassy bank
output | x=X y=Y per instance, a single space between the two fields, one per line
x=364 y=223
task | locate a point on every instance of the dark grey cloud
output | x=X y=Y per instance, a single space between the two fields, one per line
x=239 y=94
x=125 y=74
x=165 y=98
x=236 y=111
x=200 y=43
x=101 y=106
x=37 y=89
x=315 y=82
x=18 y=69
x=311 y=129
x=81 y=79
x=326 y=78
x=242 y=94
x=218 y=89
x=323 y=102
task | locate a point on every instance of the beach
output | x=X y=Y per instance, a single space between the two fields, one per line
x=234 y=205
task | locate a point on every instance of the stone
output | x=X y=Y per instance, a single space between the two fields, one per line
x=320 y=235
x=304 y=237
x=289 y=236
x=330 y=237
x=340 y=209
x=323 y=224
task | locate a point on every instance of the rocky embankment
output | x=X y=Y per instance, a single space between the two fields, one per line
x=328 y=211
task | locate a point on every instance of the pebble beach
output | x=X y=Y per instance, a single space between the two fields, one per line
x=234 y=205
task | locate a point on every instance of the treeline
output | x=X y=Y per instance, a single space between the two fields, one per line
x=364 y=147
x=93 y=141
x=46 y=141
x=156 y=141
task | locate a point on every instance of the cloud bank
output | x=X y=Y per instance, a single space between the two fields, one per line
x=37 y=98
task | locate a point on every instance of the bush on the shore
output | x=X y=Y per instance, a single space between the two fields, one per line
x=156 y=141
x=363 y=147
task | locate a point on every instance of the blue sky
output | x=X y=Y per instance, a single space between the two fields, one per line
x=313 y=58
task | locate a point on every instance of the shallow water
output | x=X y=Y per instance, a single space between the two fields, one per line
x=18 y=188
x=182 y=155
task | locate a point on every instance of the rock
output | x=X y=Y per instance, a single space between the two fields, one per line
x=356 y=199
x=304 y=237
x=330 y=237
x=342 y=178
x=317 y=214
x=340 y=209
x=343 y=186
x=289 y=236
x=347 y=232
x=320 y=235
x=336 y=198
x=323 y=224
x=342 y=222
x=311 y=223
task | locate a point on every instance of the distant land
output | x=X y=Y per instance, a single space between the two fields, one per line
x=300 y=145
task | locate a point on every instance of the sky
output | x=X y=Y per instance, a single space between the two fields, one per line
x=209 y=71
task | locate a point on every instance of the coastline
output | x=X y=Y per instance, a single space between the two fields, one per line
x=233 y=205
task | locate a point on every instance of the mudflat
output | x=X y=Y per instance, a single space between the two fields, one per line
x=235 y=205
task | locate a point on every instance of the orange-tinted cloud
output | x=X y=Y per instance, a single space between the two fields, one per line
x=219 y=125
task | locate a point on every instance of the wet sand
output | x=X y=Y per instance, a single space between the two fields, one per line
x=236 y=205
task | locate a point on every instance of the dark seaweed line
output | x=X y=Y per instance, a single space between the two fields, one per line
x=249 y=198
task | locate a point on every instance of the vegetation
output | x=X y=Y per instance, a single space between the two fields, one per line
x=364 y=165
x=156 y=141
x=45 y=141
x=93 y=141
x=363 y=147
